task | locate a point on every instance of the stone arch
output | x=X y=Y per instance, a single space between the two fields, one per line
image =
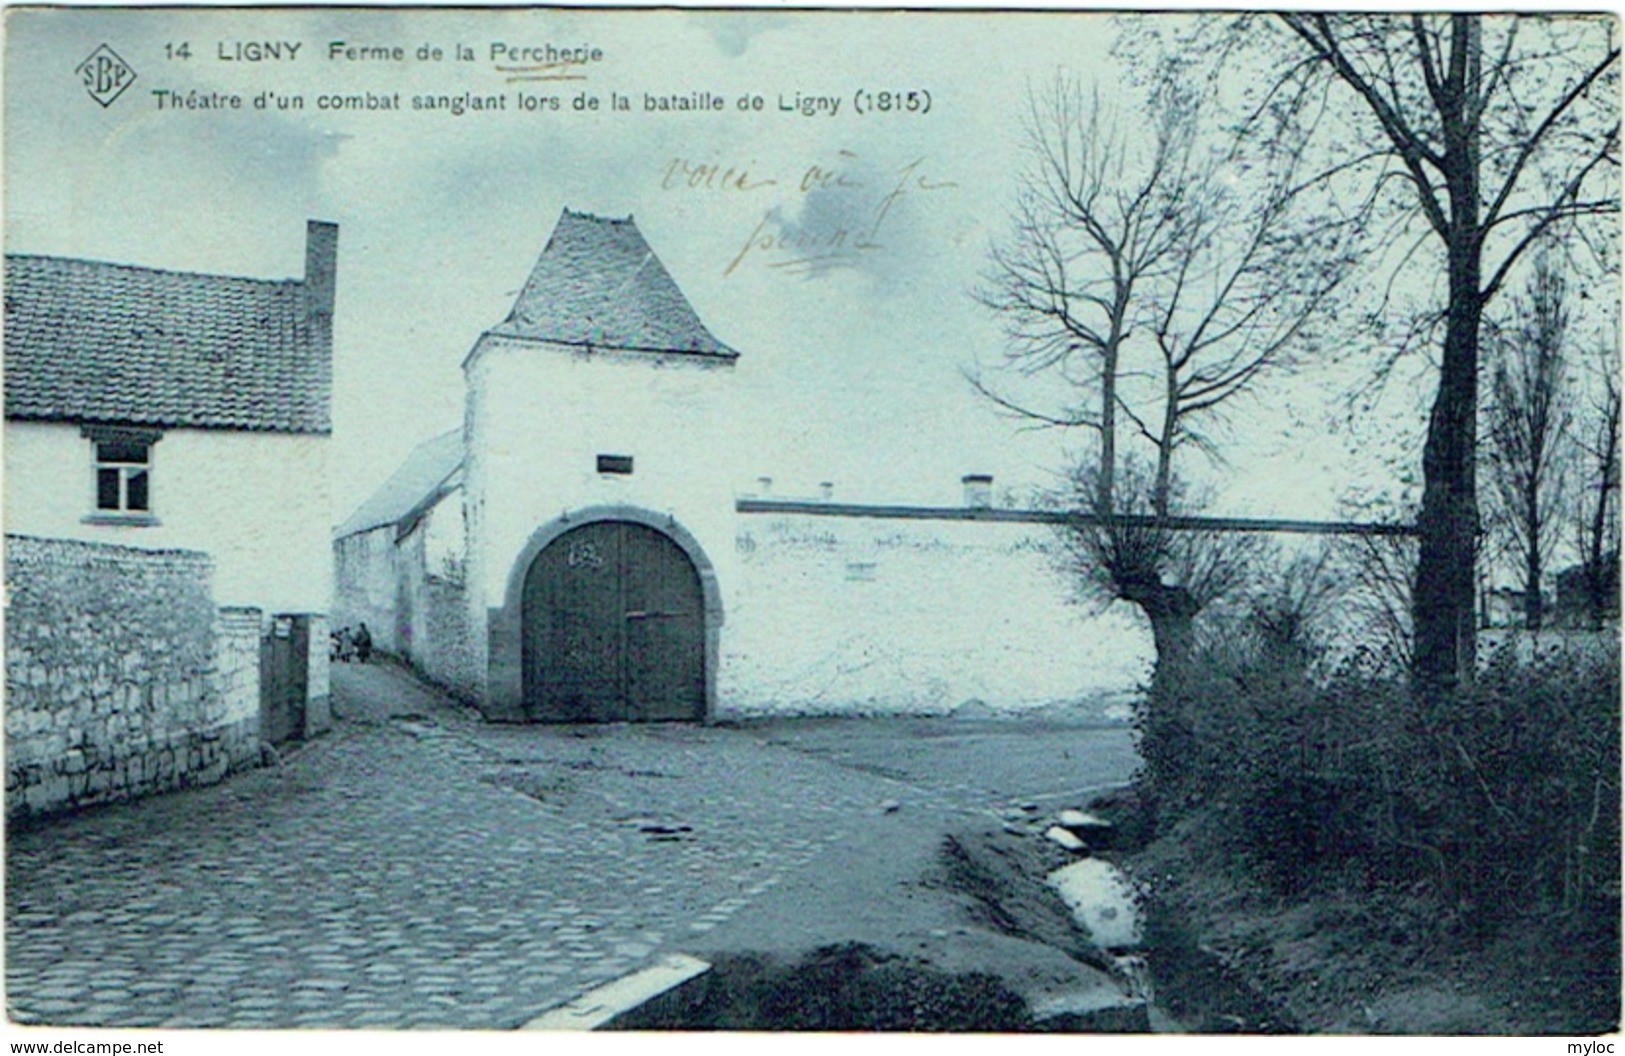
x=505 y=697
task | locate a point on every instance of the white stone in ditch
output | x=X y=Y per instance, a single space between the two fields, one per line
x=1065 y=838
x=1102 y=902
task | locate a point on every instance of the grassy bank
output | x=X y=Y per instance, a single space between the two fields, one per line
x=1376 y=862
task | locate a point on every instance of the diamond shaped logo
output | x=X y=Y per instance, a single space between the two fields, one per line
x=105 y=75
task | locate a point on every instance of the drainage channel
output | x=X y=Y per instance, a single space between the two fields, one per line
x=858 y=988
x=1136 y=968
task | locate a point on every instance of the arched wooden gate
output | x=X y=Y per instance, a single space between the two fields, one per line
x=614 y=628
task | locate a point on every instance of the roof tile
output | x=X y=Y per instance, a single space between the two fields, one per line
x=93 y=341
x=598 y=283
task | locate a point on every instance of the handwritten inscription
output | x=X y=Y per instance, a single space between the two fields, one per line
x=710 y=176
x=856 y=202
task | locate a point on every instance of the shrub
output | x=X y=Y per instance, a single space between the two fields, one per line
x=1504 y=798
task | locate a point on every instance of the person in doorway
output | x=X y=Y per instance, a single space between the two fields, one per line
x=363 y=643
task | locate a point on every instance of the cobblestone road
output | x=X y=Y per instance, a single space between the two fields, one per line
x=419 y=868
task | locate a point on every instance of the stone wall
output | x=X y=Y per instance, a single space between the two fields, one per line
x=432 y=609
x=447 y=656
x=318 y=690
x=367 y=586
x=122 y=678
x=411 y=592
x=236 y=672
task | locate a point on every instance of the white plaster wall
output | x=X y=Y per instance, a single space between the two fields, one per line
x=445 y=541
x=539 y=416
x=368 y=590
x=255 y=502
x=954 y=613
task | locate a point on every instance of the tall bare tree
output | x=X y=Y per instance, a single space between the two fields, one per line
x=1181 y=280
x=1495 y=128
x=1246 y=281
x=1529 y=421
x=1597 y=508
x=1097 y=210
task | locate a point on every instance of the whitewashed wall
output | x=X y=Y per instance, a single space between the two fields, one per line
x=433 y=606
x=865 y=615
x=257 y=503
x=368 y=583
x=538 y=416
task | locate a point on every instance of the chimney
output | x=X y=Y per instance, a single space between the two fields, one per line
x=764 y=486
x=978 y=490
x=826 y=490
x=321 y=275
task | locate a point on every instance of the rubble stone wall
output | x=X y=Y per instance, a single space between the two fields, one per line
x=318 y=689
x=433 y=612
x=448 y=658
x=122 y=677
x=367 y=587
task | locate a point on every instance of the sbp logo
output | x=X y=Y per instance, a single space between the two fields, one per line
x=105 y=75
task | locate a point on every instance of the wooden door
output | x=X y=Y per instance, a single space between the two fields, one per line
x=284 y=679
x=614 y=628
x=665 y=628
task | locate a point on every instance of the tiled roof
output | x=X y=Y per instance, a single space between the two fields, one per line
x=598 y=283
x=97 y=342
x=425 y=475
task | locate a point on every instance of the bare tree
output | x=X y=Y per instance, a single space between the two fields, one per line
x=1529 y=423
x=1597 y=509
x=1246 y=282
x=1170 y=575
x=1096 y=213
x=1378 y=572
x=1180 y=245
x=1496 y=128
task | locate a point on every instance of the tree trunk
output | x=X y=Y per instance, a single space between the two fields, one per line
x=1106 y=500
x=1445 y=655
x=1596 y=582
x=1172 y=611
x=1442 y=605
x=1533 y=606
x=1163 y=493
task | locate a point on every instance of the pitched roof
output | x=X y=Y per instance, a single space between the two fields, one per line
x=598 y=283
x=428 y=473
x=98 y=342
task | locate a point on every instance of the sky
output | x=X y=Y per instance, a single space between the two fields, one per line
x=853 y=373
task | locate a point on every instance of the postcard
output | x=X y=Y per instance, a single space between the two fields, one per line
x=822 y=520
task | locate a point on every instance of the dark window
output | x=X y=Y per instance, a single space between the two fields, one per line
x=135 y=491
x=121 y=451
x=123 y=477
x=107 y=489
x=615 y=464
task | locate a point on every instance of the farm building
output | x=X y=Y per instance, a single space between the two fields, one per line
x=167 y=582
x=593 y=545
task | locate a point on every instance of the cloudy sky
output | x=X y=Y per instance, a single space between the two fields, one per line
x=851 y=373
